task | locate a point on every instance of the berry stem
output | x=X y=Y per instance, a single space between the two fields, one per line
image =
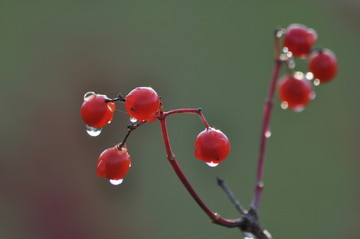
x=188 y=111
x=266 y=125
x=119 y=98
x=215 y=218
x=131 y=128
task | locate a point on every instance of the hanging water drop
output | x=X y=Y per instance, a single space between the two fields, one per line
x=316 y=82
x=133 y=120
x=284 y=105
x=299 y=108
x=268 y=134
x=212 y=164
x=89 y=95
x=299 y=75
x=116 y=181
x=248 y=235
x=93 y=131
x=309 y=76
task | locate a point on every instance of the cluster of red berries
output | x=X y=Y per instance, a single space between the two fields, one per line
x=295 y=90
x=144 y=105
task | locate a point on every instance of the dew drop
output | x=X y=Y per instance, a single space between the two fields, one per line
x=284 y=105
x=309 y=76
x=93 y=131
x=116 y=182
x=283 y=57
x=248 y=235
x=212 y=164
x=299 y=109
x=133 y=120
x=280 y=33
x=268 y=134
x=316 y=82
x=89 y=95
x=299 y=75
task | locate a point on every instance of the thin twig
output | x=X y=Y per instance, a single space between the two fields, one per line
x=131 y=128
x=231 y=196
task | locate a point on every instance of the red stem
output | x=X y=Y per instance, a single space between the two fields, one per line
x=216 y=218
x=265 y=131
x=189 y=111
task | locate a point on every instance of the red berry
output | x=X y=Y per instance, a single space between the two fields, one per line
x=299 y=39
x=323 y=65
x=113 y=163
x=96 y=111
x=212 y=146
x=295 y=92
x=143 y=103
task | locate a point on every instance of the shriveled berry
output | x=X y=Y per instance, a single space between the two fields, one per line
x=96 y=111
x=295 y=91
x=143 y=103
x=212 y=146
x=323 y=65
x=113 y=163
x=299 y=39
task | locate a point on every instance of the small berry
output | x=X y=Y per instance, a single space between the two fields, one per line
x=113 y=163
x=212 y=146
x=143 y=103
x=299 y=39
x=323 y=65
x=295 y=92
x=96 y=111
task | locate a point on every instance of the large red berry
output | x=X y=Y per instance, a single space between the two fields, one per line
x=323 y=65
x=113 y=163
x=212 y=146
x=299 y=39
x=295 y=92
x=142 y=103
x=96 y=111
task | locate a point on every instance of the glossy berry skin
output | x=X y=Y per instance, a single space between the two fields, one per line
x=95 y=111
x=295 y=91
x=299 y=39
x=212 y=146
x=323 y=65
x=143 y=103
x=113 y=163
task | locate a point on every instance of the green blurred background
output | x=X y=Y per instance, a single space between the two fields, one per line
x=216 y=55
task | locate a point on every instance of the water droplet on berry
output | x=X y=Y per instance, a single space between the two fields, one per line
x=116 y=181
x=89 y=95
x=248 y=235
x=133 y=120
x=309 y=76
x=316 y=82
x=284 y=105
x=268 y=134
x=93 y=131
x=299 y=109
x=212 y=164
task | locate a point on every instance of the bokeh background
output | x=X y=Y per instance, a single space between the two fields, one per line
x=216 y=55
